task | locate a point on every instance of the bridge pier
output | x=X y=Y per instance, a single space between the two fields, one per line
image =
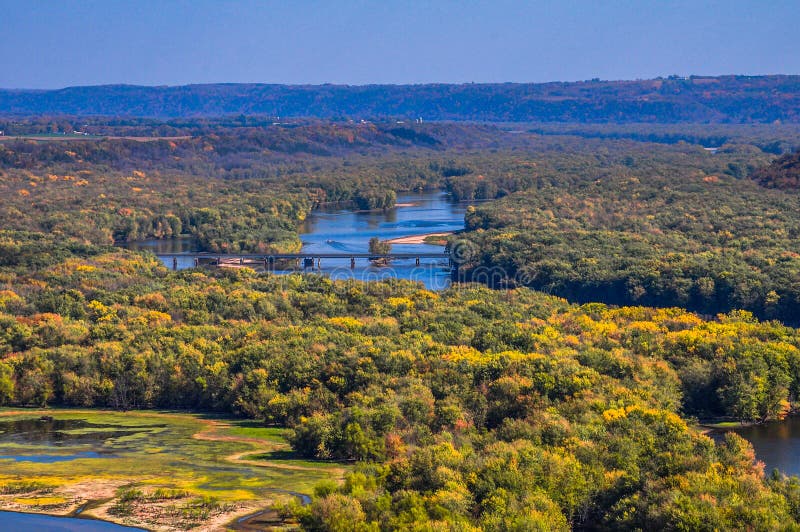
x=174 y=263
x=417 y=261
x=319 y=262
x=196 y=262
x=352 y=263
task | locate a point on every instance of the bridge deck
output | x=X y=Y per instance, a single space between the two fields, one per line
x=289 y=256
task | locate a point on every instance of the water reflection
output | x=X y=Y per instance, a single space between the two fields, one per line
x=50 y=458
x=171 y=245
x=776 y=444
x=167 y=246
x=47 y=440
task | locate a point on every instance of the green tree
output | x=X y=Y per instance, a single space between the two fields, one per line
x=378 y=247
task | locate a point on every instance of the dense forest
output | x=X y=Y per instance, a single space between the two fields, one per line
x=589 y=219
x=631 y=224
x=242 y=191
x=735 y=99
x=491 y=406
x=471 y=406
x=771 y=138
x=783 y=173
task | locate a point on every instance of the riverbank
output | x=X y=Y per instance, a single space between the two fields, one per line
x=420 y=239
x=708 y=427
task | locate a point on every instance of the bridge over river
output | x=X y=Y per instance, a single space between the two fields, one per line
x=305 y=260
x=336 y=243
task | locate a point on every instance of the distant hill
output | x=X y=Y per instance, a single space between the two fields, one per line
x=783 y=173
x=696 y=99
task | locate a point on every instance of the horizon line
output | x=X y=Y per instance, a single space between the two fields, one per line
x=409 y=84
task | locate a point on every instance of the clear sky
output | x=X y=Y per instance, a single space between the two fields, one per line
x=58 y=43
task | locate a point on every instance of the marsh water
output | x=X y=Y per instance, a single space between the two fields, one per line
x=337 y=230
x=46 y=440
x=110 y=444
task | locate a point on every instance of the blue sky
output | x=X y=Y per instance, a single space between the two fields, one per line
x=58 y=43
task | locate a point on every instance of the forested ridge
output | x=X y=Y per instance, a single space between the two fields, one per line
x=737 y=99
x=476 y=408
x=772 y=138
x=245 y=190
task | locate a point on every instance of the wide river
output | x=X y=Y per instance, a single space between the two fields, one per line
x=342 y=231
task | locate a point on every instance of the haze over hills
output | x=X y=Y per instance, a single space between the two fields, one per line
x=724 y=99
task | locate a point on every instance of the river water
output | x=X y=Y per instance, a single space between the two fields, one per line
x=338 y=230
x=776 y=444
x=20 y=521
x=343 y=231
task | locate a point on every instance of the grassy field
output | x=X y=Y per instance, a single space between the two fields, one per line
x=159 y=470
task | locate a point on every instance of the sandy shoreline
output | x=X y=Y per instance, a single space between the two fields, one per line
x=416 y=239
